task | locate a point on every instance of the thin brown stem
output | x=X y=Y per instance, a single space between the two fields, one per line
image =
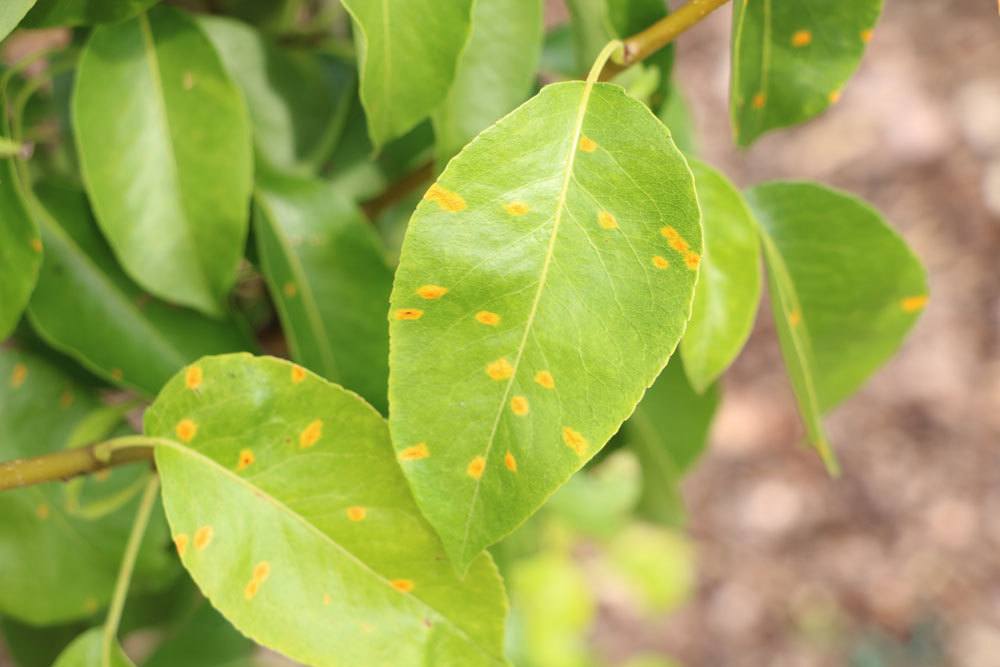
x=373 y=208
x=67 y=464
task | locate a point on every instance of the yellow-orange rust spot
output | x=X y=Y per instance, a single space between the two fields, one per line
x=794 y=318
x=298 y=374
x=499 y=369
x=488 y=318
x=660 y=262
x=326 y=599
x=203 y=537
x=866 y=36
x=802 y=38
x=251 y=590
x=545 y=379
x=692 y=259
x=42 y=511
x=516 y=208
x=188 y=81
x=675 y=240
x=912 y=304
x=186 y=430
x=758 y=101
x=446 y=199
x=431 y=291
x=117 y=375
x=66 y=399
x=574 y=440
x=36 y=245
x=415 y=452
x=246 y=459
x=587 y=145
x=290 y=290
x=18 y=375
x=102 y=475
x=193 y=377
x=606 y=220
x=262 y=571
x=312 y=433
x=510 y=462
x=476 y=467
x=519 y=406
x=90 y=605
x=409 y=314
x=834 y=96
x=181 y=543
x=356 y=513
x=402 y=585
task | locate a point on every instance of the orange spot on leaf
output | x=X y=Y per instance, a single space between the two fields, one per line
x=606 y=220
x=326 y=599
x=802 y=38
x=866 y=36
x=519 y=406
x=446 y=199
x=660 y=262
x=912 y=304
x=193 y=377
x=186 y=430
x=574 y=440
x=415 y=452
x=290 y=290
x=587 y=145
x=298 y=374
x=181 y=543
x=476 y=467
x=692 y=259
x=203 y=537
x=499 y=369
x=834 y=96
x=36 y=245
x=516 y=208
x=431 y=291
x=66 y=399
x=487 y=318
x=356 y=513
x=545 y=379
x=246 y=459
x=311 y=434
x=510 y=462
x=409 y=314
x=117 y=375
x=794 y=318
x=18 y=375
x=42 y=511
x=262 y=571
x=758 y=101
x=402 y=585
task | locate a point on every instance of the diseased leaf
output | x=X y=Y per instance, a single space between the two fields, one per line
x=537 y=296
x=790 y=60
x=668 y=431
x=87 y=307
x=48 y=13
x=845 y=289
x=328 y=277
x=408 y=51
x=298 y=100
x=169 y=172
x=495 y=71
x=11 y=13
x=20 y=249
x=58 y=567
x=289 y=511
x=87 y=650
x=728 y=292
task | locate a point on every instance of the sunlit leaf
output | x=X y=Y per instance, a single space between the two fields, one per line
x=676 y=115
x=169 y=172
x=537 y=296
x=289 y=510
x=20 y=249
x=790 y=60
x=327 y=274
x=87 y=650
x=47 y=13
x=11 y=13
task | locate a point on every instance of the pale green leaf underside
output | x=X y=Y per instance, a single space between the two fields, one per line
x=790 y=60
x=20 y=250
x=845 y=290
x=728 y=292
x=169 y=173
x=567 y=237
x=407 y=51
x=87 y=650
x=293 y=518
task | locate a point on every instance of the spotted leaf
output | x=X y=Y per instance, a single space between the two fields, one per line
x=790 y=60
x=543 y=284
x=290 y=512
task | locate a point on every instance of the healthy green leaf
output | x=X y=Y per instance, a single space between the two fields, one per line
x=494 y=74
x=204 y=639
x=20 y=249
x=327 y=274
x=537 y=296
x=675 y=113
x=11 y=13
x=408 y=51
x=169 y=172
x=58 y=567
x=87 y=650
x=725 y=301
x=298 y=100
x=668 y=431
x=48 y=13
x=790 y=60
x=85 y=305
x=845 y=290
x=290 y=512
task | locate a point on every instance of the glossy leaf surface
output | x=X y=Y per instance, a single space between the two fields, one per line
x=169 y=172
x=790 y=60
x=544 y=282
x=494 y=74
x=408 y=51
x=87 y=650
x=328 y=277
x=20 y=249
x=289 y=510
x=845 y=290
x=85 y=305
x=47 y=13
x=728 y=292
x=56 y=566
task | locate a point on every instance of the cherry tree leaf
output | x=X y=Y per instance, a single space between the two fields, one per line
x=408 y=51
x=87 y=650
x=20 y=249
x=728 y=292
x=48 y=13
x=790 y=60
x=289 y=510
x=845 y=290
x=543 y=284
x=169 y=174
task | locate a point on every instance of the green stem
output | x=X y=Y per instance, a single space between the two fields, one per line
x=114 y=617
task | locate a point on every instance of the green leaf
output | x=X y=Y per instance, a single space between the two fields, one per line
x=204 y=639
x=87 y=307
x=87 y=650
x=536 y=298
x=598 y=502
x=675 y=113
x=298 y=100
x=20 y=249
x=728 y=292
x=11 y=13
x=408 y=51
x=790 y=60
x=31 y=646
x=658 y=565
x=58 y=567
x=495 y=72
x=845 y=290
x=169 y=172
x=328 y=277
x=48 y=13
x=291 y=514
x=668 y=431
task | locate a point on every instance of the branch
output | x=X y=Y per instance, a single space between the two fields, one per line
x=64 y=465
x=398 y=190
